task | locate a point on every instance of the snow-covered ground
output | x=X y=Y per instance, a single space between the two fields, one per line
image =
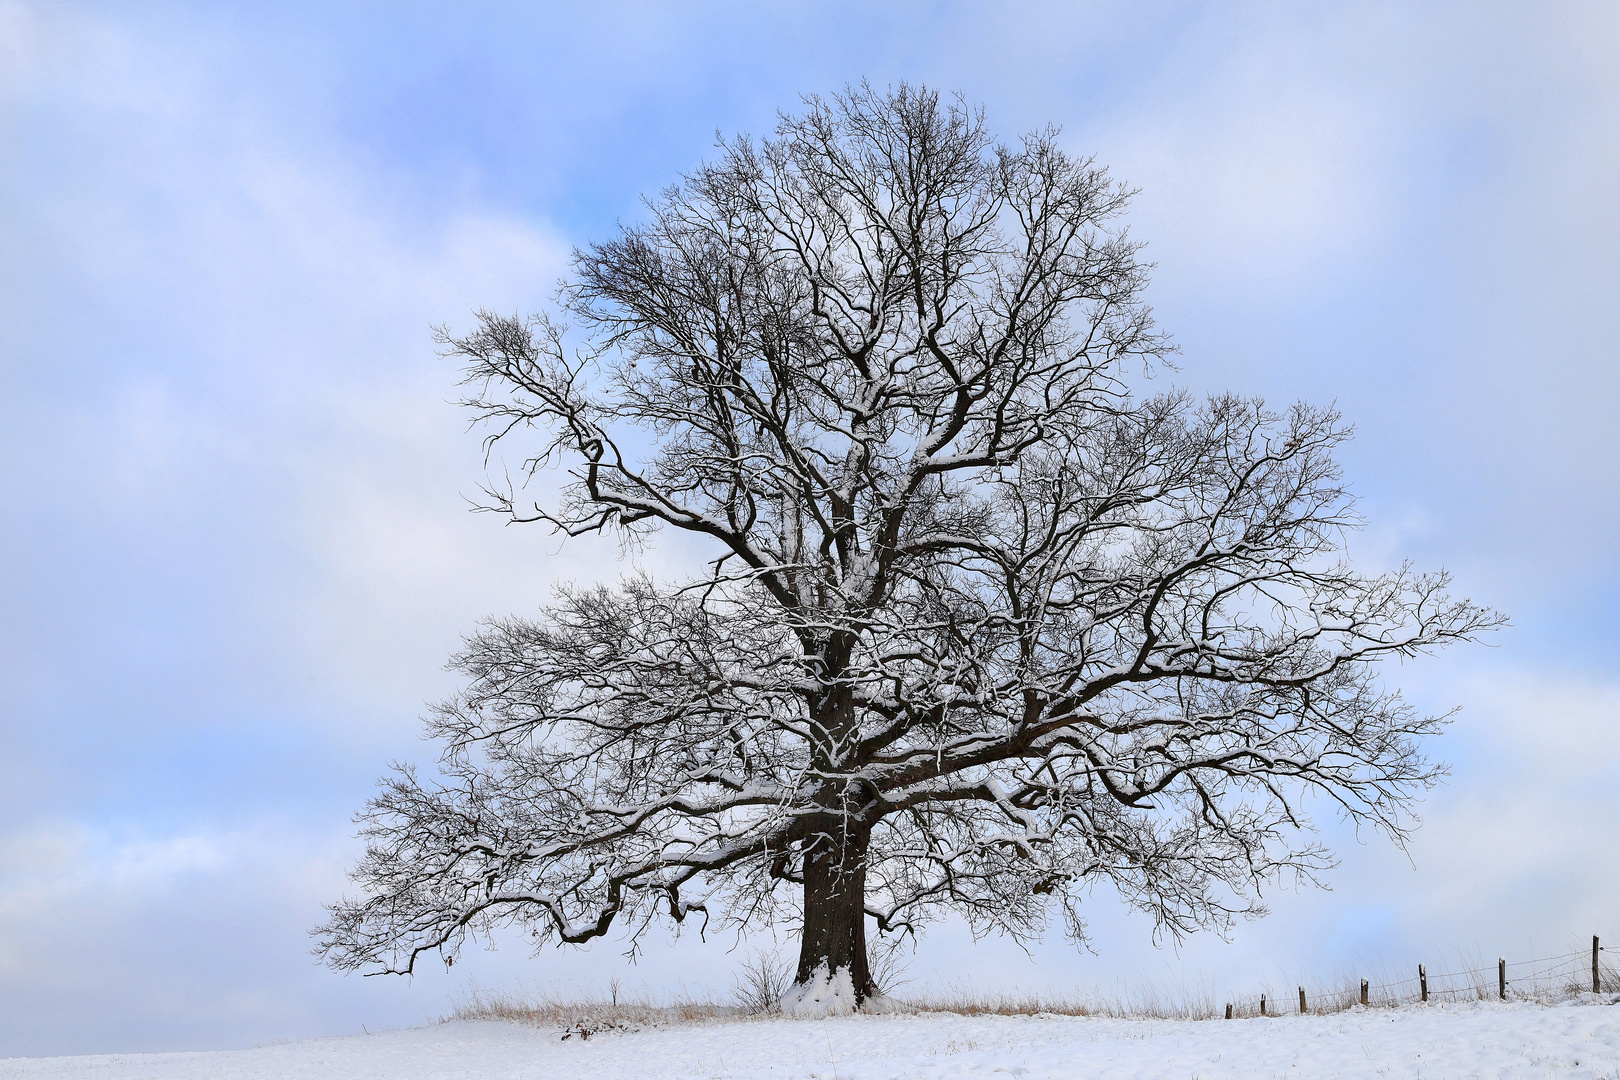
x=1571 y=1042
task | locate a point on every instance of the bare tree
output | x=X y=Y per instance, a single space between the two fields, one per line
x=981 y=629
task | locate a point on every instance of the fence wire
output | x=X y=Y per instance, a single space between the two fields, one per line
x=1544 y=978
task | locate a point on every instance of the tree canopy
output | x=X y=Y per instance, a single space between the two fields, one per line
x=982 y=624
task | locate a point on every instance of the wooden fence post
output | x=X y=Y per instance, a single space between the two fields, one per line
x=1262 y=1004
x=1229 y=1010
x=1364 y=991
x=1501 y=978
x=1423 y=982
x=1302 y=1000
x=1597 y=987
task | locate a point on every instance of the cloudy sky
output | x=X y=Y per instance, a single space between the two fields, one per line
x=237 y=551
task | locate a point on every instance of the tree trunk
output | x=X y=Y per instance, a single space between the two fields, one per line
x=835 y=905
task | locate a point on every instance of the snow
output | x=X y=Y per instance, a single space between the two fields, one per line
x=1507 y=1042
x=825 y=996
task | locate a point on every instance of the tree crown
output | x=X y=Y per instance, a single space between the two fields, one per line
x=971 y=601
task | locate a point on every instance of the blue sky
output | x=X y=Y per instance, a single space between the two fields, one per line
x=237 y=550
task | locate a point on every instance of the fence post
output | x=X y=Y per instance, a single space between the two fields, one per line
x=1262 y=1004
x=1302 y=1000
x=1597 y=987
x=1364 y=991
x=1501 y=978
x=1423 y=982
x=1229 y=1010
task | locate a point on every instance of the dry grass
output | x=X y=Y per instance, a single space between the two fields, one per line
x=762 y=979
x=1141 y=1002
x=576 y=1014
x=585 y=1015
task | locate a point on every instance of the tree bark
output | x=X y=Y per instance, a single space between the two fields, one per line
x=835 y=904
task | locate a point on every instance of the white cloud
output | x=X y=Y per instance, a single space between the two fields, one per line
x=56 y=862
x=254 y=367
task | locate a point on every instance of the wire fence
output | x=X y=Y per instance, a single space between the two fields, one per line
x=1546 y=978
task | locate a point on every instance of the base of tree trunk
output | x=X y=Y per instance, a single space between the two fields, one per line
x=834 y=976
x=832 y=994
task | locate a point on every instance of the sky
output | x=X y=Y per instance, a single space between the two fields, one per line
x=233 y=503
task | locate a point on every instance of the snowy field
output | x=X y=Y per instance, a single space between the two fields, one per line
x=1571 y=1042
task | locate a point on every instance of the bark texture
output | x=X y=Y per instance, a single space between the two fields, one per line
x=834 y=931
